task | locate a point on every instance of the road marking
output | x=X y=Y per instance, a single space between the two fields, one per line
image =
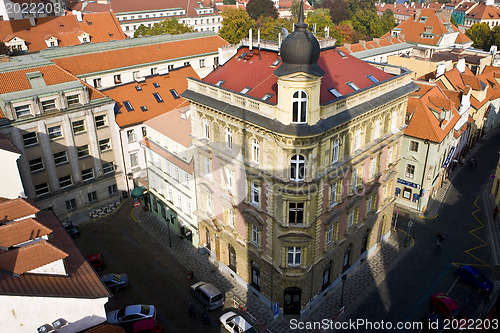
x=472 y=232
x=428 y=218
x=408 y=235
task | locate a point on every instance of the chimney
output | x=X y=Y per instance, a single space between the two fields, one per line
x=78 y=15
x=250 y=39
x=417 y=14
x=32 y=21
x=444 y=15
x=490 y=2
x=362 y=43
x=440 y=70
x=428 y=29
x=377 y=41
x=461 y=65
x=348 y=46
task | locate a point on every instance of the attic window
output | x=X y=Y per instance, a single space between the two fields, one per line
x=276 y=62
x=61 y=25
x=352 y=86
x=138 y=88
x=174 y=93
x=89 y=22
x=128 y=106
x=158 y=97
x=267 y=97
x=144 y=108
x=372 y=78
x=220 y=83
x=156 y=84
x=335 y=92
x=342 y=54
x=245 y=90
x=422 y=19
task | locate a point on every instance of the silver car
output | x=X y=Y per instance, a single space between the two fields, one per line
x=115 y=281
x=208 y=295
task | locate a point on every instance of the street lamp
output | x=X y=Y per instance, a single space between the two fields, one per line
x=344 y=278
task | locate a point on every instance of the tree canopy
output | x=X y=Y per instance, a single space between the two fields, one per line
x=235 y=24
x=339 y=10
x=258 y=8
x=169 y=26
x=320 y=17
x=270 y=29
x=3 y=48
x=481 y=35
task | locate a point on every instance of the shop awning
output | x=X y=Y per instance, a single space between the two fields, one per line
x=138 y=192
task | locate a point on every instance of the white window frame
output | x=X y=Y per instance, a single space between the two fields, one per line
x=408 y=174
x=65 y=180
x=105 y=145
x=63 y=158
x=134 y=157
x=255 y=151
x=72 y=99
x=329 y=234
x=42 y=189
x=228 y=134
x=299 y=107
x=78 y=126
x=376 y=131
x=22 y=110
x=335 y=150
x=101 y=120
x=350 y=221
x=88 y=174
x=297 y=163
x=354 y=179
x=108 y=167
x=49 y=105
x=55 y=132
x=357 y=139
x=32 y=135
x=36 y=165
x=294 y=256
x=206 y=129
x=254 y=194
x=333 y=194
x=255 y=235
x=229 y=177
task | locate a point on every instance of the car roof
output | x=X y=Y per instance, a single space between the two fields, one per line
x=136 y=308
x=450 y=303
x=241 y=322
x=210 y=289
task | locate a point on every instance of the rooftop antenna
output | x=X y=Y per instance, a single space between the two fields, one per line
x=250 y=38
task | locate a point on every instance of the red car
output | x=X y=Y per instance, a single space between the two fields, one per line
x=96 y=260
x=146 y=326
x=446 y=308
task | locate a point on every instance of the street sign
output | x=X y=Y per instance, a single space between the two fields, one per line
x=276 y=310
x=137 y=204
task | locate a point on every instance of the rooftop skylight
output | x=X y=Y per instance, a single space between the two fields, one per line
x=128 y=106
x=267 y=97
x=158 y=97
x=144 y=108
x=156 y=84
x=245 y=90
x=372 y=78
x=138 y=88
x=220 y=83
x=335 y=92
x=342 y=54
x=352 y=86
x=174 y=94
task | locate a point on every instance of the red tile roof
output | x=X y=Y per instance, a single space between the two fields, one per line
x=96 y=62
x=15 y=209
x=483 y=12
x=373 y=44
x=413 y=30
x=14 y=233
x=102 y=27
x=176 y=79
x=423 y=123
x=257 y=73
x=172 y=125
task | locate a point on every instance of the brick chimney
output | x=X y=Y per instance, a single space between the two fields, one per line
x=444 y=15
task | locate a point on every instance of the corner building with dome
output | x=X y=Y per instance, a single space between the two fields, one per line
x=297 y=152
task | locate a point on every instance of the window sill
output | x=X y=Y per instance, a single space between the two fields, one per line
x=80 y=132
x=57 y=138
x=37 y=171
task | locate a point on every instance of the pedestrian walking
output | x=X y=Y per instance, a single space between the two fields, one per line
x=495 y=213
x=192 y=313
x=439 y=239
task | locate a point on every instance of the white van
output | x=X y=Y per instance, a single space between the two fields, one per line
x=208 y=295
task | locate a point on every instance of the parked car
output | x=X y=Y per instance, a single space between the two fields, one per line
x=233 y=322
x=446 y=308
x=208 y=295
x=473 y=277
x=71 y=229
x=131 y=313
x=96 y=260
x=115 y=281
x=149 y=325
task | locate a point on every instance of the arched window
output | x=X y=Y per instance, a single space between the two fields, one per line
x=297 y=168
x=357 y=139
x=206 y=129
x=229 y=138
x=335 y=151
x=299 y=107
x=255 y=151
x=394 y=122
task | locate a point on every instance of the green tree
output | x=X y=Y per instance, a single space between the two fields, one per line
x=343 y=33
x=367 y=22
x=320 y=17
x=480 y=34
x=339 y=10
x=258 y=8
x=495 y=36
x=168 y=26
x=357 y=5
x=229 y=2
x=235 y=24
x=387 y=21
x=295 y=8
x=3 y=48
x=453 y=21
x=270 y=29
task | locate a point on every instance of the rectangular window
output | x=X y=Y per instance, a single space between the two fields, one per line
x=154 y=71
x=354 y=179
x=104 y=145
x=410 y=171
x=22 y=110
x=294 y=256
x=295 y=213
x=255 y=235
x=158 y=97
x=78 y=126
x=255 y=151
x=87 y=174
x=65 y=181
x=372 y=78
x=144 y=108
x=130 y=136
x=202 y=63
x=335 y=92
x=255 y=194
x=174 y=94
x=49 y=105
x=414 y=146
x=117 y=78
x=329 y=234
x=134 y=160
x=97 y=82
x=229 y=179
x=208 y=167
x=36 y=164
x=83 y=151
x=30 y=139
x=210 y=204
x=55 y=132
x=369 y=204
x=92 y=196
x=186 y=63
x=352 y=86
x=128 y=106
x=60 y=157
x=206 y=129
x=350 y=218
x=108 y=167
x=112 y=189
x=42 y=189
x=72 y=100
x=100 y=121
x=334 y=194
x=71 y=205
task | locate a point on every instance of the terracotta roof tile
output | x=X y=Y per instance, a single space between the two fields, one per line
x=258 y=74
x=15 y=209
x=172 y=125
x=29 y=257
x=96 y=62
x=102 y=27
x=176 y=80
x=14 y=233
x=481 y=11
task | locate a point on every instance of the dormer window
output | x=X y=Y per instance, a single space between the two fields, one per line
x=22 y=110
x=299 y=107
